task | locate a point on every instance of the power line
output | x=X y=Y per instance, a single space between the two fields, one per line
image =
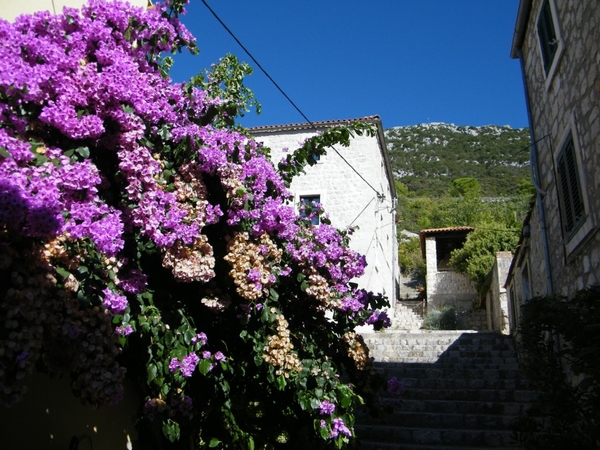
x=362 y=211
x=379 y=195
x=256 y=62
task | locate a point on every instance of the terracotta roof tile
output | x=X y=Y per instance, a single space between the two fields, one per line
x=445 y=230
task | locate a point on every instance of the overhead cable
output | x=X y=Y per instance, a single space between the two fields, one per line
x=379 y=195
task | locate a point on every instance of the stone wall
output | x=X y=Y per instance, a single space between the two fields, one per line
x=497 y=305
x=567 y=100
x=472 y=319
x=448 y=287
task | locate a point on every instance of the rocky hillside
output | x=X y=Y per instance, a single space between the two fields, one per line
x=428 y=157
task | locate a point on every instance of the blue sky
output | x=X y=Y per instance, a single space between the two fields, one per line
x=409 y=61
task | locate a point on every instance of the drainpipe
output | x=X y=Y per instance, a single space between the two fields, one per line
x=395 y=265
x=535 y=176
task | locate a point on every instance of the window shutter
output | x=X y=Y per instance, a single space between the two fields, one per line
x=570 y=187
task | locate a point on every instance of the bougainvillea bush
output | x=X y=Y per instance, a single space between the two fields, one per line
x=144 y=236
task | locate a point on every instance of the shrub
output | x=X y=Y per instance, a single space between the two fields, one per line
x=559 y=347
x=443 y=318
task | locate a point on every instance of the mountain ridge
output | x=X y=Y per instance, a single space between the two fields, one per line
x=427 y=157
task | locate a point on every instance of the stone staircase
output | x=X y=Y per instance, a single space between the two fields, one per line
x=404 y=318
x=462 y=390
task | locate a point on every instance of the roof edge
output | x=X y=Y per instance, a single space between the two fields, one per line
x=375 y=119
x=433 y=231
x=520 y=27
x=311 y=125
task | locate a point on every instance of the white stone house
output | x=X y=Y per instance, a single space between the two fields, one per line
x=558 y=45
x=355 y=187
x=445 y=286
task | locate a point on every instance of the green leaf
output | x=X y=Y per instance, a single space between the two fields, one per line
x=281 y=382
x=214 y=442
x=84 y=152
x=171 y=430
x=152 y=371
x=188 y=335
x=62 y=272
x=345 y=400
x=127 y=109
x=264 y=317
x=4 y=152
x=169 y=338
x=304 y=285
x=324 y=432
x=204 y=366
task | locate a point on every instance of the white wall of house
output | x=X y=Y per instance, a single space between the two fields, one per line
x=497 y=306
x=10 y=9
x=348 y=199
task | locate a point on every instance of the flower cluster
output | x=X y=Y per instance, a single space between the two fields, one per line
x=379 y=320
x=252 y=264
x=194 y=262
x=338 y=428
x=326 y=407
x=186 y=366
x=278 y=351
x=216 y=300
x=357 y=349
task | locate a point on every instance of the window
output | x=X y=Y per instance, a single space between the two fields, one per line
x=444 y=246
x=547 y=35
x=308 y=202
x=569 y=188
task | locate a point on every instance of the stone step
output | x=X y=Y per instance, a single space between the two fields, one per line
x=462 y=390
x=436 y=420
x=416 y=357
x=373 y=445
x=462 y=407
x=467 y=383
x=390 y=344
x=402 y=372
x=404 y=318
x=433 y=357
x=486 y=438
x=475 y=395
